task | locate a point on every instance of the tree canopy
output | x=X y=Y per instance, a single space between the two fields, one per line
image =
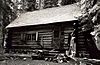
x=90 y=14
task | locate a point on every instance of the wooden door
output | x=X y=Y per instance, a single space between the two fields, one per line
x=58 y=38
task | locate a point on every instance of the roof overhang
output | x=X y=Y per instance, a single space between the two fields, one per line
x=46 y=16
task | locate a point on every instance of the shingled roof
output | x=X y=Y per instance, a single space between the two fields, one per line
x=46 y=16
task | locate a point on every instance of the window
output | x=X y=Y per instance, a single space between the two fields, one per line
x=33 y=36
x=30 y=37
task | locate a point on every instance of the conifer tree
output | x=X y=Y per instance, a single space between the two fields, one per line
x=7 y=15
x=89 y=20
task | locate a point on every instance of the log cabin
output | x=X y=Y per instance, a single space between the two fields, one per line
x=43 y=29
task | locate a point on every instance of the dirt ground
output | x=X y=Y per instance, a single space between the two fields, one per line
x=32 y=62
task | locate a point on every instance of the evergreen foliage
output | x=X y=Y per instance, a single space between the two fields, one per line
x=90 y=14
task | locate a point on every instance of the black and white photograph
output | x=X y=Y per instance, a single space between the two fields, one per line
x=49 y=32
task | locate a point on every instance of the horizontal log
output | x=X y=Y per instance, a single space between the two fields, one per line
x=47 y=43
x=45 y=40
x=16 y=40
x=15 y=43
x=45 y=35
x=66 y=34
x=47 y=47
x=68 y=31
x=68 y=28
x=80 y=36
x=16 y=37
x=66 y=47
x=16 y=34
x=65 y=40
x=66 y=37
x=80 y=40
x=66 y=44
x=26 y=45
x=31 y=43
x=82 y=49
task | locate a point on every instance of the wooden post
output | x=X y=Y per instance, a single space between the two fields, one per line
x=36 y=36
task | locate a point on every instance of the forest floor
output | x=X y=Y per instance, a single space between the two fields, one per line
x=32 y=62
